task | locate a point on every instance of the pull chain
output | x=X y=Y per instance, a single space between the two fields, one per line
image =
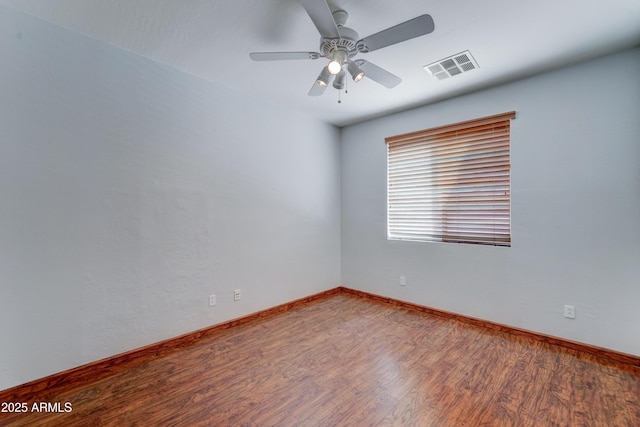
x=346 y=85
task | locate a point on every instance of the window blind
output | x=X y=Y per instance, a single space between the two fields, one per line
x=451 y=183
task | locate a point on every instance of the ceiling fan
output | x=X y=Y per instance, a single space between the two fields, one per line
x=341 y=44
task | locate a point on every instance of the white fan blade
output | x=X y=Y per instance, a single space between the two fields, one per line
x=379 y=75
x=320 y=14
x=282 y=56
x=415 y=27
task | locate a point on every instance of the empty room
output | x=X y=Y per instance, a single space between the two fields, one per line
x=319 y=213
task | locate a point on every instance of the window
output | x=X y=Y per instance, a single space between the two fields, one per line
x=451 y=183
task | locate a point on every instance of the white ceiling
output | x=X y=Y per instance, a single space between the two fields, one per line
x=212 y=39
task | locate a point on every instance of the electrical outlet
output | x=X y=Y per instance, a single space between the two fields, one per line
x=403 y=282
x=212 y=300
x=569 y=311
x=236 y=295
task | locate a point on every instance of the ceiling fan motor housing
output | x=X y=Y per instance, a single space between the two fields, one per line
x=347 y=40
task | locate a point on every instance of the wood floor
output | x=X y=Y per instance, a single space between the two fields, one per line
x=348 y=361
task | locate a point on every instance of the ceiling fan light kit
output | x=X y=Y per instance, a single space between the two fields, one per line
x=356 y=72
x=338 y=83
x=340 y=44
x=324 y=77
x=338 y=57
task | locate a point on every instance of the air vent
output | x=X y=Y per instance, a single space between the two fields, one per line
x=452 y=66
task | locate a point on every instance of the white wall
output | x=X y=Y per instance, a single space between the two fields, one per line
x=130 y=191
x=575 y=209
